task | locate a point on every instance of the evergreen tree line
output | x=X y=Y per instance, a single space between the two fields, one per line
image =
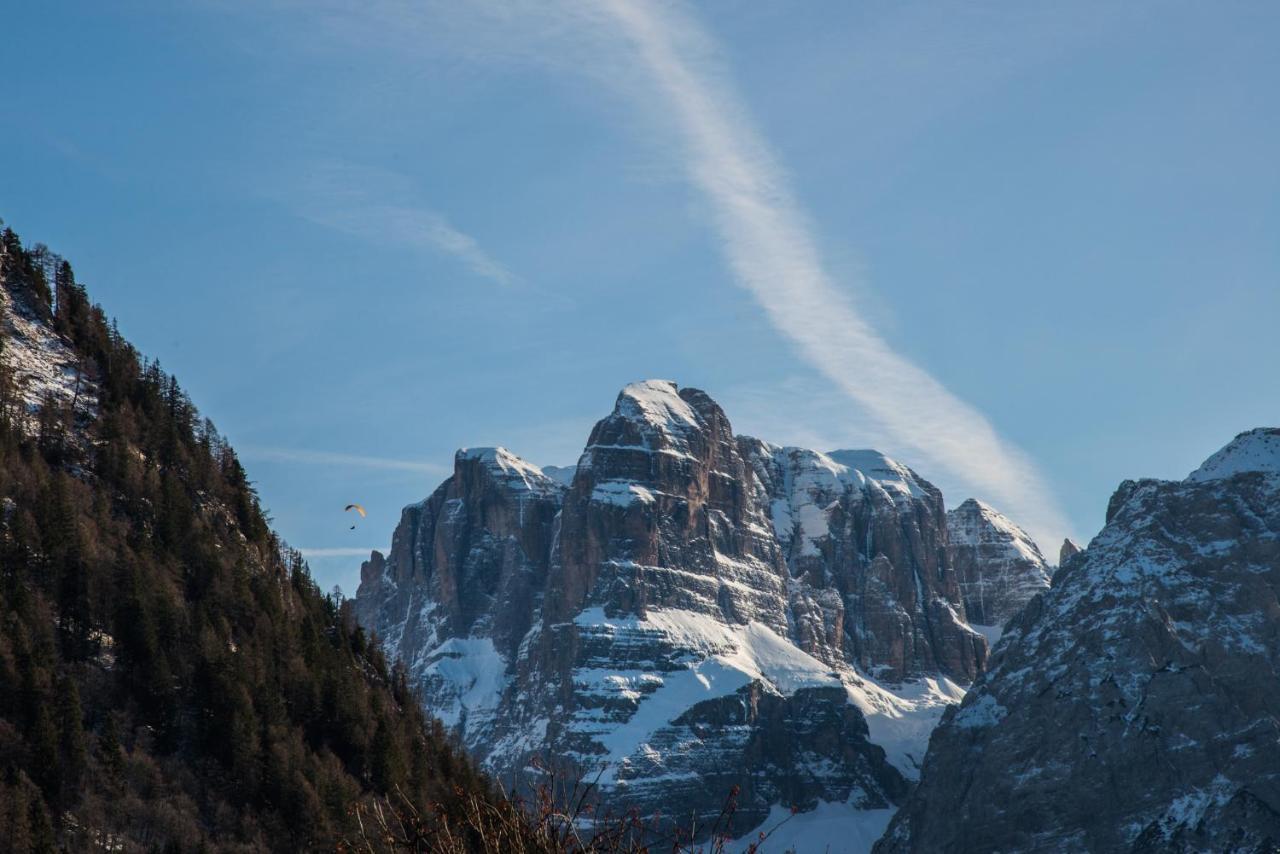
x=171 y=678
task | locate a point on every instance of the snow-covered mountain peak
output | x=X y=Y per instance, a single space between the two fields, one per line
x=1000 y=566
x=1256 y=450
x=979 y=514
x=696 y=609
x=872 y=465
x=654 y=425
x=977 y=505
x=657 y=402
x=510 y=470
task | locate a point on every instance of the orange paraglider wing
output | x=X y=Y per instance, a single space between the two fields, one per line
x=357 y=508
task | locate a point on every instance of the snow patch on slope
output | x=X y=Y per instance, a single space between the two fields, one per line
x=562 y=475
x=835 y=828
x=719 y=660
x=475 y=671
x=991 y=633
x=901 y=717
x=621 y=493
x=42 y=363
x=725 y=658
x=983 y=713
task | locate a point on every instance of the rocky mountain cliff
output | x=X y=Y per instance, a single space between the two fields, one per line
x=1000 y=568
x=1135 y=706
x=688 y=610
x=1069 y=548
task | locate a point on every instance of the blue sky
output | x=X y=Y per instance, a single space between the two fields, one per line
x=1028 y=248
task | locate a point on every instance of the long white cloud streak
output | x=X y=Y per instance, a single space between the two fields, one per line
x=773 y=256
x=340 y=552
x=297 y=455
x=765 y=235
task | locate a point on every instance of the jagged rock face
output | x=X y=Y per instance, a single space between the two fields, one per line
x=871 y=531
x=813 y=741
x=1136 y=705
x=687 y=609
x=1069 y=549
x=459 y=589
x=660 y=515
x=999 y=566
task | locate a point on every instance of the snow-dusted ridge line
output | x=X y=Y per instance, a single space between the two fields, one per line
x=1133 y=706
x=813 y=480
x=516 y=472
x=1019 y=540
x=874 y=466
x=1255 y=450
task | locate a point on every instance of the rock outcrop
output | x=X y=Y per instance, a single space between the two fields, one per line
x=1069 y=549
x=999 y=567
x=685 y=608
x=1136 y=705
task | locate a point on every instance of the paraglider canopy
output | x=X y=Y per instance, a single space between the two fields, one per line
x=357 y=508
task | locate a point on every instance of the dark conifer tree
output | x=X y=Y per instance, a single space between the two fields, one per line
x=147 y=601
x=72 y=753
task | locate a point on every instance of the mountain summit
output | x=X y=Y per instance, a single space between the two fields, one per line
x=686 y=610
x=1000 y=567
x=1252 y=451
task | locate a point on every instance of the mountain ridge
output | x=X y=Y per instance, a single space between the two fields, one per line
x=664 y=606
x=1134 y=705
x=170 y=676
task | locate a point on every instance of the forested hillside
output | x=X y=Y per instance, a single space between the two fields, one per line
x=171 y=679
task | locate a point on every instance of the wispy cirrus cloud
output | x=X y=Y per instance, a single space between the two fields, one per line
x=419 y=228
x=373 y=205
x=328 y=458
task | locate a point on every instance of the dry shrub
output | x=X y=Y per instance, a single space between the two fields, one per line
x=557 y=820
